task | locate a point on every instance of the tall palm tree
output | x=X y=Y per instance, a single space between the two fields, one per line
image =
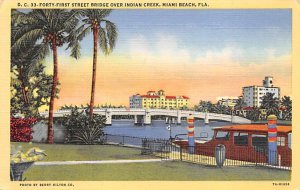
x=104 y=35
x=49 y=28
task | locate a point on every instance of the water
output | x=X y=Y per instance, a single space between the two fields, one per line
x=158 y=129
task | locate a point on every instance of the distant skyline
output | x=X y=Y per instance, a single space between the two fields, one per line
x=203 y=54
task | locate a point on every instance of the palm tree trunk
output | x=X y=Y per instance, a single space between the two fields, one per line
x=24 y=92
x=95 y=36
x=53 y=90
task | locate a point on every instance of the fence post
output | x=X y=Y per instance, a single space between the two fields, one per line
x=272 y=139
x=144 y=151
x=123 y=140
x=191 y=140
x=220 y=152
x=180 y=149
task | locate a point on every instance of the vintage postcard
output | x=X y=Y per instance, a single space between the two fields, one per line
x=150 y=94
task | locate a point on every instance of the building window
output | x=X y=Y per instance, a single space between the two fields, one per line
x=280 y=141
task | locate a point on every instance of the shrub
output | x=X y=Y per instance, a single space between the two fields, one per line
x=20 y=129
x=82 y=129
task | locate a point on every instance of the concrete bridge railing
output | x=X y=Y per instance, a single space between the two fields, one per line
x=144 y=115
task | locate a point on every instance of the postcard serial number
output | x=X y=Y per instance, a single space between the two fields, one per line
x=281 y=184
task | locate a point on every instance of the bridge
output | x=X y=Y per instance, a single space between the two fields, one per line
x=144 y=115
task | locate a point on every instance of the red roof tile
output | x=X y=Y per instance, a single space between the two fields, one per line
x=185 y=97
x=170 y=97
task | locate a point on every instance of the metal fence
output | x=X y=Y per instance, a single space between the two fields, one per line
x=246 y=156
x=127 y=140
x=206 y=155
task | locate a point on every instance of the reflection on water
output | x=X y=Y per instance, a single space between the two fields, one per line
x=158 y=129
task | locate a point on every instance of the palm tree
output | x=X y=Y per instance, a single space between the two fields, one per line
x=254 y=114
x=286 y=103
x=221 y=109
x=29 y=82
x=204 y=106
x=104 y=33
x=240 y=104
x=49 y=28
x=21 y=66
x=23 y=61
x=270 y=103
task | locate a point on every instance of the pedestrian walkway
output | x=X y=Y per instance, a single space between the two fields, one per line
x=52 y=163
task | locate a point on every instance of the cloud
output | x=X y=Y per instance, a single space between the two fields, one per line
x=218 y=57
x=139 y=48
x=165 y=64
x=162 y=48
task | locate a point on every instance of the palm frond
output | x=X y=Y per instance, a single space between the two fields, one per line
x=112 y=34
x=39 y=15
x=75 y=50
x=30 y=36
x=40 y=52
x=103 y=43
x=66 y=21
x=74 y=38
x=75 y=13
x=79 y=33
x=84 y=33
x=18 y=17
x=20 y=30
x=70 y=25
x=102 y=13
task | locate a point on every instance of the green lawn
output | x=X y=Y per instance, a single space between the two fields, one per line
x=68 y=152
x=165 y=170
x=162 y=171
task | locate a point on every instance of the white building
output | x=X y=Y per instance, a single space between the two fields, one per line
x=252 y=95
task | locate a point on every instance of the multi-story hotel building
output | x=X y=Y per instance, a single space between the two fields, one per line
x=158 y=100
x=252 y=95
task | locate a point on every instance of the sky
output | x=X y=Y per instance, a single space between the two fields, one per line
x=202 y=54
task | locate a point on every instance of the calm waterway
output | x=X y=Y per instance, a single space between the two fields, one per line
x=158 y=129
